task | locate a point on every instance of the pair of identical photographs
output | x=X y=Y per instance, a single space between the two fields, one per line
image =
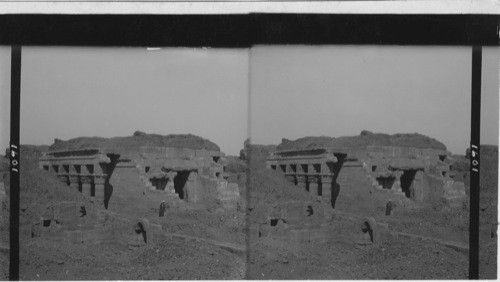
x=269 y=162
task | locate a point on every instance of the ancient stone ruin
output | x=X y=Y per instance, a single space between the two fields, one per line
x=415 y=173
x=315 y=170
x=85 y=170
x=418 y=174
x=189 y=174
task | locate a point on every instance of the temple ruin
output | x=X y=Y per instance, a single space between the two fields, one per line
x=186 y=174
x=417 y=174
x=191 y=175
x=315 y=170
x=85 y=170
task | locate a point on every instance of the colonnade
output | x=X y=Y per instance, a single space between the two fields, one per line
x=81 y=170
x=313 y=170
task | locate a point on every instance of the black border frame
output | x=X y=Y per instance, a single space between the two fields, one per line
x=241 y=31
x=238 y=31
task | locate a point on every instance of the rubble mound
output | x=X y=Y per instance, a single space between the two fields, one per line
x=270 y=190
x=366 y=138
x=137 y=140
x=39 y=188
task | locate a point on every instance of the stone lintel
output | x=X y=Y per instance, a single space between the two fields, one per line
x=76 y=159
x=303 y=159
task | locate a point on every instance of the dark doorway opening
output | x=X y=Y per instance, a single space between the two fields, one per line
x=407 y=181
x=374 y=167
x=442 y=157
x=273 y=221
x=386 y=182
x=46 y=222
x=180 y=181
x=159 y=183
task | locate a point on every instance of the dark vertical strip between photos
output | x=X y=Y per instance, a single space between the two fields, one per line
x=14 y=161
x=474 y=163
x=247 y=190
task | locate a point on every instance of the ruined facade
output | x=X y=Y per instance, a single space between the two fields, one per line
x=191 y=175
x=84 y=170
x=315 y=170
x=418 y=174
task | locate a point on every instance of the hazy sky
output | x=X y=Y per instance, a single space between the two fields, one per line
x=71 y=92
x=295 y=91
x=337 y=91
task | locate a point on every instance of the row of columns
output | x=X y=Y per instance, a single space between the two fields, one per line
x=309 y=176
x=86 y=181
x=312 y=182
x=68 y=174
x=316 y=168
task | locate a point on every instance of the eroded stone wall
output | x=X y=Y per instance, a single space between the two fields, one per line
x=419 y=174
x=194 y=175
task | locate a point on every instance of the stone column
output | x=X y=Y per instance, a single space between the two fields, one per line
x=190 y=188
x=74 y=181
x=313 y=185
x=301 y=181
x=326 y=185
x=397 y=183
x=418 y=186
x=86 y=185
x=170 y=184
x=99 y=181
